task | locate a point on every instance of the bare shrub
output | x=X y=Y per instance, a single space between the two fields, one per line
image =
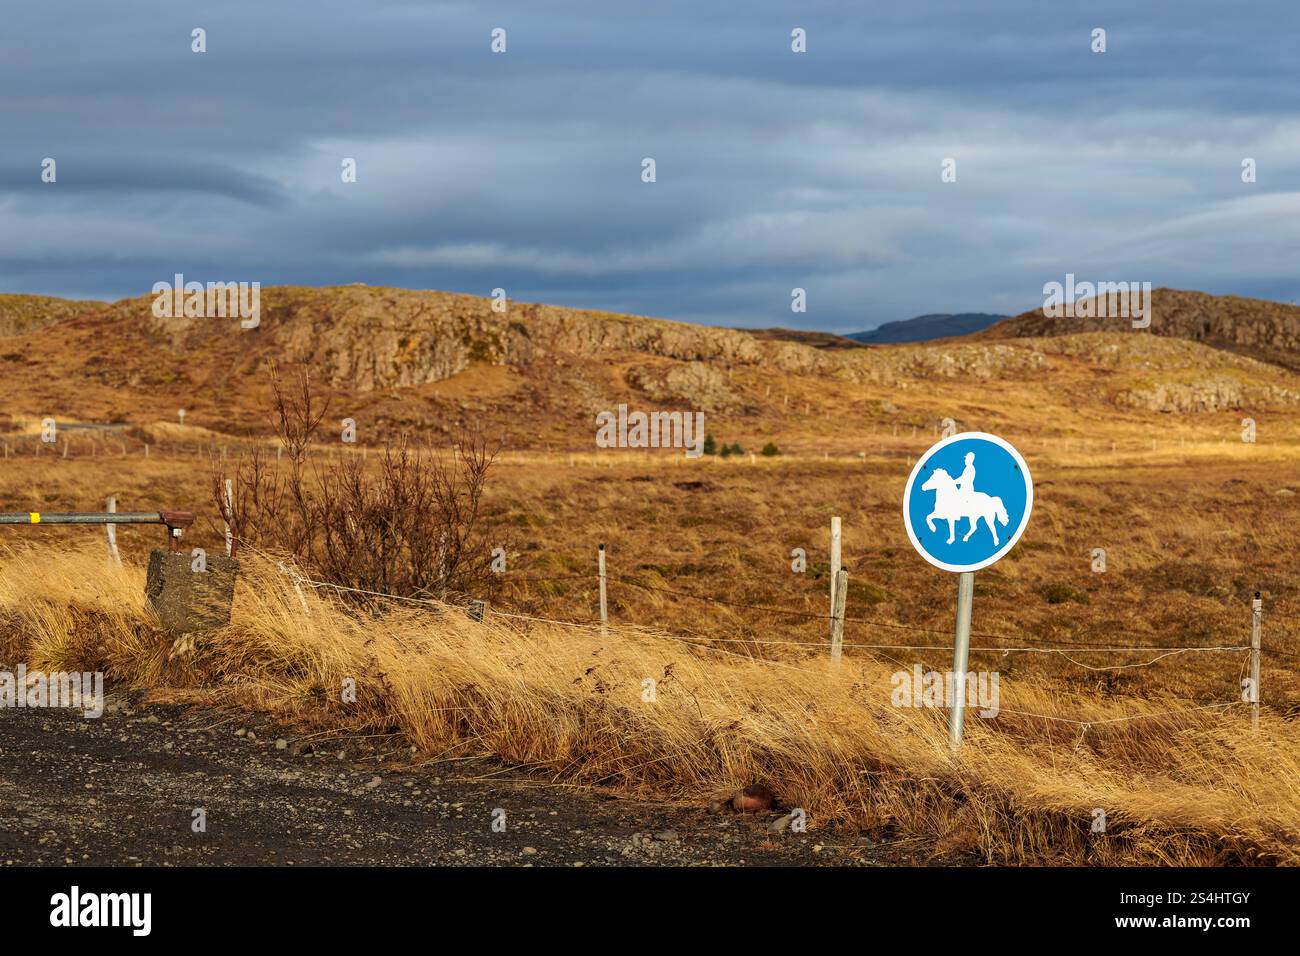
x=409 y=524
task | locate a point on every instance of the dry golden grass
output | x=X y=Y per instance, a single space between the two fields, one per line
x=567 y=703
x=692 y=543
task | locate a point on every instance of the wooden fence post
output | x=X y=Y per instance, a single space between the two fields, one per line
x=837 y=615
x=835 y=556
x=229 y=516
x=442 y=565
x=604 y=606
x=1256 y=612
x=302 y=598
x=111 y=530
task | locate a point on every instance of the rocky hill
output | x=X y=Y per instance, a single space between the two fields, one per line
x=818 y=340
x=1268 y=331
x=29 y=313
x=424 y=362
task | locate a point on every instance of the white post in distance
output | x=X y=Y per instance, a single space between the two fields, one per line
x=835 y=557
x=111 y=530
x=604 y=605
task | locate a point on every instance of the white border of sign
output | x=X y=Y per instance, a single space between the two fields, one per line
x=1024 y=521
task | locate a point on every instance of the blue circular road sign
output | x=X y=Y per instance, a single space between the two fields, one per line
x=967 y=501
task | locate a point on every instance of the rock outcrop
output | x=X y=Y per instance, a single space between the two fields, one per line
x=1269 y=331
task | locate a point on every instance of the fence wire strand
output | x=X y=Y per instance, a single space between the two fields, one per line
x=1063 y=651
x=1083 y=725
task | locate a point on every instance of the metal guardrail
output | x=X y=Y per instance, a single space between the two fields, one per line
x=175 y=521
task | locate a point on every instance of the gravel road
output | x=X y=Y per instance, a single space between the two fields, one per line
x=124 y=789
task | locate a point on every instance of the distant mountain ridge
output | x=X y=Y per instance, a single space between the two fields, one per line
x=935 y=325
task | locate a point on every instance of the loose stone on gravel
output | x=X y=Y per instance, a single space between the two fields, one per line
x=149 y=771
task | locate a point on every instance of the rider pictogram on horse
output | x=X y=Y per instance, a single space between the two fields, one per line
x=956 y=498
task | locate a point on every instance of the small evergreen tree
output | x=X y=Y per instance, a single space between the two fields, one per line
x=710 y=446
x=770 y=449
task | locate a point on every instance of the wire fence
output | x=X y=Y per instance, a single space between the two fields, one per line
x=710 y=642
x=1067 y=647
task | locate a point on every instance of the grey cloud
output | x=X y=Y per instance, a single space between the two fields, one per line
x=775 y=170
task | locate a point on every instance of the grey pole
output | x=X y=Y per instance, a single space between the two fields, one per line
x=176 y=521
x=960 y=656
x=82 y=517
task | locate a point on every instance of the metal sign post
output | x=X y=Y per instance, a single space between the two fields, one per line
x=966 y=504
x=961 y=656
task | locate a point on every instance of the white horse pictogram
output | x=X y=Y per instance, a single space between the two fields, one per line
x=951 y=503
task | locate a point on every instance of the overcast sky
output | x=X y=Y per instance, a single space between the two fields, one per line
x=775 y=169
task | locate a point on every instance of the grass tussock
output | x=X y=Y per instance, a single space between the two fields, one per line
x=573 y=705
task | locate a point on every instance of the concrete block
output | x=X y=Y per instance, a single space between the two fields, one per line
x=190 y=601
